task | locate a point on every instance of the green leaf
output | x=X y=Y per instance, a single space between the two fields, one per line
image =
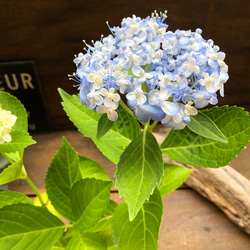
x=202 y=125
x=139 y=171
x=11 y=103
x=10 y=198
x=188 y=147
x=24 y=226
x=63 y=172
x=125 y=129
x=91 y=169
x=46 y=201
x=84 y=119
x=87 y=241
x=12 y=172
x=143 y=231
x=20 y=140
x=90 y=198
x=174 y=176
x=105 y=221
x=104 y=125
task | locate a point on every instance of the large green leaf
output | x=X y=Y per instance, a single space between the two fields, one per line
x=91 y=169
x=139 y=171
x=174 y=176
x=87 y=241
x=143 y=232
x=202 y=125
x=11 y=103
x=24 y=226
x=63 y=172
x=90 y=198
x=10 y=198
x=125 y=129
x=190 y=148
x=12 y=172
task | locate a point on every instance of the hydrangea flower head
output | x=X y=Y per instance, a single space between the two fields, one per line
x=7 y=120
x=164 y=75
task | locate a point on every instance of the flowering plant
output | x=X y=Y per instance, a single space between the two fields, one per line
x=128 y=82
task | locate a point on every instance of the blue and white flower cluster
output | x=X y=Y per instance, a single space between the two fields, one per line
x=165 y=76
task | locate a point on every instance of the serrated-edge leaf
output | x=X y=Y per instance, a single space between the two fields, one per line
x=91 y=169
x=20 y=140
x=118 y=137
x=11 y=103
x=87 y=241
x=143 y=231
x=11 y=197
x=139 y=171
x=173 y=177
x=202 y=125
x=11 y=173
x=187 y=147
x=63 y=172
x=24 y=226
x=90 y=198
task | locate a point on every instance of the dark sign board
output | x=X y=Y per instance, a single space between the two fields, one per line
x=21 y=80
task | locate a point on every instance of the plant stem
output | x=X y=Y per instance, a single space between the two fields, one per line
x=151 y=127
x=32 y=185
x=126 y=107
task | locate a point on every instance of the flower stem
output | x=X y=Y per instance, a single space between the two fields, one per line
x=32 y=185
x=151 y=127
x=126 y=107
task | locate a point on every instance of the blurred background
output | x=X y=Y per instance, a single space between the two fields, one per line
x=50 y=33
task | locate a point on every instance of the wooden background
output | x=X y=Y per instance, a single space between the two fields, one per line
x=51 y=32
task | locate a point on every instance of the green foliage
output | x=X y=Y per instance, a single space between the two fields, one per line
x=11 y=103
x=90 y=198
x=105 y=221
x=19 y=132
x=104 y=125
x=91 y=169
x=24 y=226
x=118 y=136
x=87 y=241
x=139 y=171
x=173 y=177
x=143 y=231
x=190 y=148
x=10 y=198
x=78 y=188
x=20 y=140
x=202 y=125
x=63 y=172
x=12 y=172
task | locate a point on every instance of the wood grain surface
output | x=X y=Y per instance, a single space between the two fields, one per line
x=51 y=32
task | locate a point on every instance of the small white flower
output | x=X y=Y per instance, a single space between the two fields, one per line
x=110 y=96
x=7 y=121
x=110 y=111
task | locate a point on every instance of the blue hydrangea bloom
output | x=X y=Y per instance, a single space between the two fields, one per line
x=164 y=75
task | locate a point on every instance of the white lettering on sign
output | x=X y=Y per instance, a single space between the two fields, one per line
x=13 y=83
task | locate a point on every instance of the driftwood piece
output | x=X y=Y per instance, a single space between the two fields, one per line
x=227 y=189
